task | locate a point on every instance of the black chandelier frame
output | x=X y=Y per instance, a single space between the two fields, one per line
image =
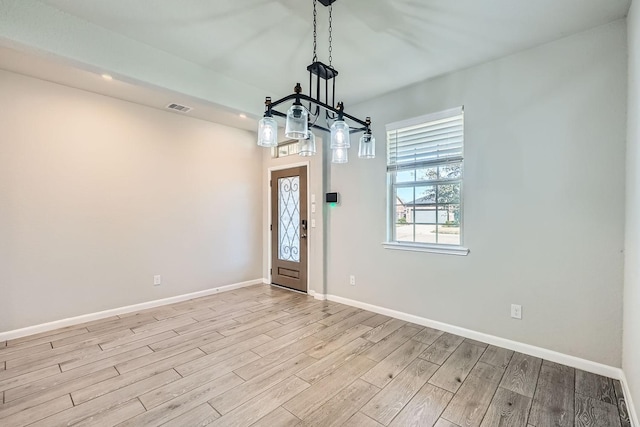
x=322 y=77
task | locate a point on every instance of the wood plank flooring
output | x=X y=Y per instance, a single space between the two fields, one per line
x=264 y=356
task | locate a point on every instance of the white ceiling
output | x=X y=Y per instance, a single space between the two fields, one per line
x=234 y=52
x=59 y=71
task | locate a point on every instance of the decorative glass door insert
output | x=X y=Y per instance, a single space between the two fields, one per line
x=289 y=219
x=289 y=228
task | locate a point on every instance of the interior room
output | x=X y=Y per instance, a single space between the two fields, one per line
x=320 y=212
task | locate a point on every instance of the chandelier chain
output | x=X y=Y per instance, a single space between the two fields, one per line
x=322 y=112
x=315 y=32
x=330 y=34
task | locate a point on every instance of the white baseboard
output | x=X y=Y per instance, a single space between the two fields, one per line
x=45 y=327
x=266 y=281
x=321 y=297
x=633 y=415
x=543 y=353
x=553 y=356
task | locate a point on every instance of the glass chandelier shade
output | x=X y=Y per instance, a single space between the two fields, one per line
x=268 y=132
x=340 y=135
x=367 y=146
x=339 y=155
x=297 y=126
x=320 y=101
x=307 y=147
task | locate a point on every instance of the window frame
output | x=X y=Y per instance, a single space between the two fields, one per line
x=391 y=238
x=275 y=151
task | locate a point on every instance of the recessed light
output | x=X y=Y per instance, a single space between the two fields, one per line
x=243 y=116
x=107 y=77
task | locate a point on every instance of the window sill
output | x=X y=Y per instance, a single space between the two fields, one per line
x=434 y=249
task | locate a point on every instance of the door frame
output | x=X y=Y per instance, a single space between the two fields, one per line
x=270 y=218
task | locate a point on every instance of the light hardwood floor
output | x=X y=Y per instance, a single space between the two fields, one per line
x=263 y=356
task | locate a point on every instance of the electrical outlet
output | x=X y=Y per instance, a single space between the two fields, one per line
x=516 y=311
x=157 y=280
x=352 y=280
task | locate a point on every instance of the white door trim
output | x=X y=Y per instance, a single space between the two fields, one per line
x=270 y=220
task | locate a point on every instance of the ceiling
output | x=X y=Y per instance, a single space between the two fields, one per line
x=59 y=71
x=232 y=53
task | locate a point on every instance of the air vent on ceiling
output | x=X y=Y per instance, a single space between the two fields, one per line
x=178 y=107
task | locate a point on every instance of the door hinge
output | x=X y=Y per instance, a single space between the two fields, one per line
x=271 y=271
x=271 y=227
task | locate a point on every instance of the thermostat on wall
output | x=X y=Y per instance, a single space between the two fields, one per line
x=332 y=198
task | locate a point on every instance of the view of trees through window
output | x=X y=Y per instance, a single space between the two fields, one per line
x=425 y=166
x=428 y=204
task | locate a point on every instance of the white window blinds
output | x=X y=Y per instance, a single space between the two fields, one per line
x=431 y=139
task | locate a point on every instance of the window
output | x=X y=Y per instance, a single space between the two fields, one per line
x=285 y=149
x=425 y=168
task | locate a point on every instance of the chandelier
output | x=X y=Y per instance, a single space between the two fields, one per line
x=317 y=111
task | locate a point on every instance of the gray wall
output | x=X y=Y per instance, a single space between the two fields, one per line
x=543 y=194
x=631 y=327
x=97 y=195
